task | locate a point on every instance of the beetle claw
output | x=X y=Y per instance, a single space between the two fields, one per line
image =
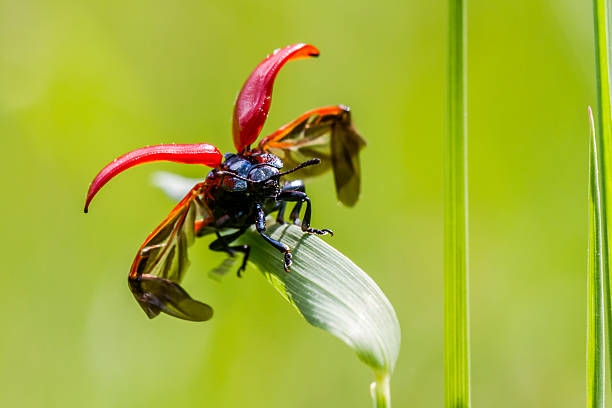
x=323 y=231
x=288 y=261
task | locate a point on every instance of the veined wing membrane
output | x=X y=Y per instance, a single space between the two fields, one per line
x=327 y=134
x=162 y=261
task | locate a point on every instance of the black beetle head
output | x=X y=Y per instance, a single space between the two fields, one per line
x=265 y=180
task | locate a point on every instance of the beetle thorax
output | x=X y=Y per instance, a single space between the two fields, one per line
x=252 y=174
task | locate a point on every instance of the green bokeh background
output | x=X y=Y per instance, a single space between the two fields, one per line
x=83 y=82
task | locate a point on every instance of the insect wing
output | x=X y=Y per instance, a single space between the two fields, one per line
x=345 y=146
x=162 y=295
x=162 y=261
x=199 y=153
x=327 y=134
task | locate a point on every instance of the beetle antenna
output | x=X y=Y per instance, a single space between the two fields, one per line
x=307 y=163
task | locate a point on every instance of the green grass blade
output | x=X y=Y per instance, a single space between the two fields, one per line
x=456 y=310
x=330 y=292
x=603 y=134
x=595 y=294
x=334 y=294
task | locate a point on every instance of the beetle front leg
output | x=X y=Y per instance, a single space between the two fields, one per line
x=301 y=197
x=280 y=217
x=295 y=185
x=260 y=225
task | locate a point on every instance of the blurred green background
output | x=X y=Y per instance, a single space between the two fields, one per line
x=83 y=82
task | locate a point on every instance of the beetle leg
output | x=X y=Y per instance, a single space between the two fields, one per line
x=280 y=217
x=296 y=185
x=260 y=225
x=295 y=213
x=221 y=244
x=301 y=197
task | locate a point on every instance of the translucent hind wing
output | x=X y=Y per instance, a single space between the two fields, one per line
x=163 y=260
x=329 y=135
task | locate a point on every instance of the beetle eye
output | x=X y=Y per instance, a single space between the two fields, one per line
x=234 y=184
x=271 y=184
x=262 y=172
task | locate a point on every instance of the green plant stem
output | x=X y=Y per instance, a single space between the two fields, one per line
x=380 y=391
x=604 y=136
x=595 y=293
x=456 y=310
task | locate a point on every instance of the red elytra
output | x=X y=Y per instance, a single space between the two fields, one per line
x=196 y=153
x=253 y=102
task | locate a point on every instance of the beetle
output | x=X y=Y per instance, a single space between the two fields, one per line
x=242 y=188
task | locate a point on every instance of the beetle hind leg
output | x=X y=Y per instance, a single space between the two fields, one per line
x=222 y=244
